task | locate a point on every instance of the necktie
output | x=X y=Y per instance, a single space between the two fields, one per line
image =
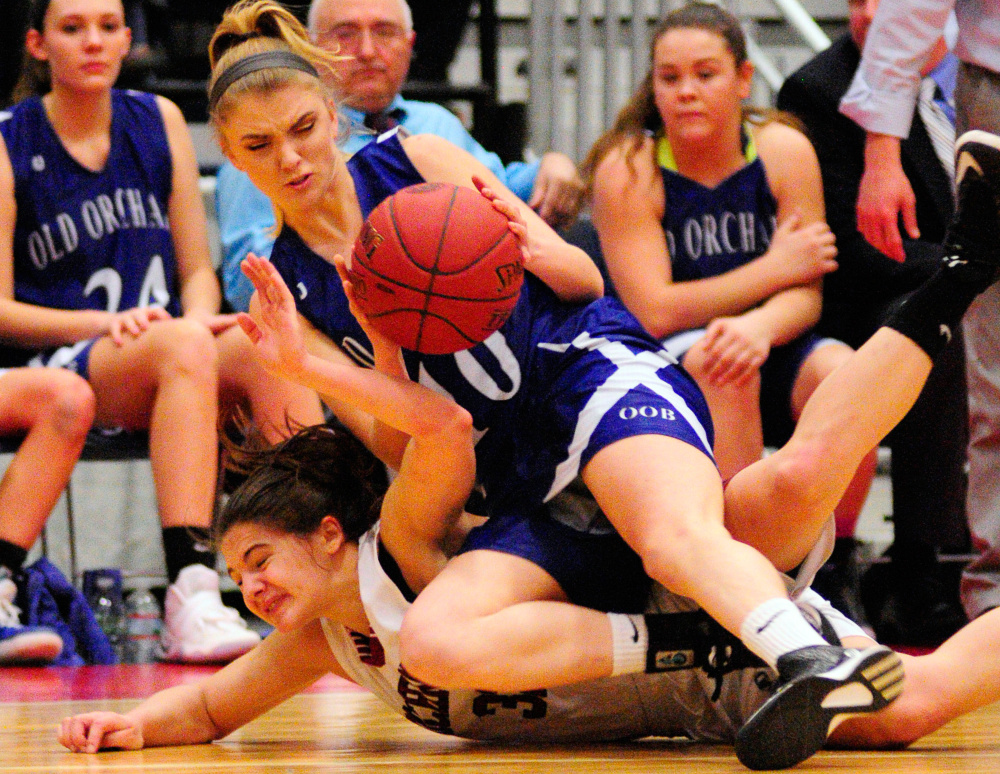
x=382 y=121
x=939 y=126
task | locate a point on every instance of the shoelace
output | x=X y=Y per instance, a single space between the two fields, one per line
x=211 y=611
x=10 y=614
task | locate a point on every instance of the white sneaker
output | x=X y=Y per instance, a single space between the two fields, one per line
x=197 y=627
x=21 y=644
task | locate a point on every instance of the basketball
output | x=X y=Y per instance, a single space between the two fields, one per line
x=436 y=268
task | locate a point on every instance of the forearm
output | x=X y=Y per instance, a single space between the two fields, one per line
x=410 y=408
x=789 y=314
x=442 y=465
x=389 y=441
x=673 y=307
x=175 y=716
x=566 y=269
x=883 y=153
x=36 y=327
x=200 y=292
x=359 y=423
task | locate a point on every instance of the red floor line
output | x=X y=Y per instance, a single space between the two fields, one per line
x=27 y=684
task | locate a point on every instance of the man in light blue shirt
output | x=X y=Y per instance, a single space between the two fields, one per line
x=377 y=36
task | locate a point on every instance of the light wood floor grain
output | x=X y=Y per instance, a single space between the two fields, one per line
x=348 y=731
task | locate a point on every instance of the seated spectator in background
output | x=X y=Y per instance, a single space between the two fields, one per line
x=104 y=245
x=716 y=249
x=377 y=37
x=928 y=447
x=53 y=409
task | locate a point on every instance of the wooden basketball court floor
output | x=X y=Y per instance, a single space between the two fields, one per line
x=339 y=728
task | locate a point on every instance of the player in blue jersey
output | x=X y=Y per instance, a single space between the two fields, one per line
x=560 y=390
x=105 y=269
x=711 y=220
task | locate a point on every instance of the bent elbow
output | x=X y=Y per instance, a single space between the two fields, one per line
x=446 y=419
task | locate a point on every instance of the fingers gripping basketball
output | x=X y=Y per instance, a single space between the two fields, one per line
x=436 y=268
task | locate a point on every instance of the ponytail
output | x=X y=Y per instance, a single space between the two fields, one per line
x=34 y=78
x=251 y=28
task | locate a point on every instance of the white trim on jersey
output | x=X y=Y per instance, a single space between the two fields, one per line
x=59 y=358
x=634 y=370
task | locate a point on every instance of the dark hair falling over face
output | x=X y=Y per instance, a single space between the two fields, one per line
x=290 y=487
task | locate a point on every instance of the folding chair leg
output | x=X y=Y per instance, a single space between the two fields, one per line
x=70 y=532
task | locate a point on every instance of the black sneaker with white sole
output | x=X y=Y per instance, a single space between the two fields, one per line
x=973 y=232
x=818 y=687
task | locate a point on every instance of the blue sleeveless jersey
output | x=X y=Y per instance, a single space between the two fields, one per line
x=93 y=240
x=711 y=231
x=528 y=383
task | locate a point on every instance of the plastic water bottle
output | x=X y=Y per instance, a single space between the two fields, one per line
x=103 y=590
x=142 y=613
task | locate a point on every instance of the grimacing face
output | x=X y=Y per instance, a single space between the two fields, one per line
x=374 y=34
x=284 y=140
x=286 y=580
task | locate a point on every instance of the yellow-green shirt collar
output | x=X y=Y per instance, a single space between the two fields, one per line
x=665 y=154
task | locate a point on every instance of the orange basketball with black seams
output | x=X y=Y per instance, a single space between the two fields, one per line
x=436 y=268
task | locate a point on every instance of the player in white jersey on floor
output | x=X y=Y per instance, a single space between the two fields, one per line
x=593 y=394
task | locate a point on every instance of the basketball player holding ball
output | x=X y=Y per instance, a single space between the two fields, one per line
x=560 y=390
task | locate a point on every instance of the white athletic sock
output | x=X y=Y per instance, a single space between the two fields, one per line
x=630 y=641
x=775 y=628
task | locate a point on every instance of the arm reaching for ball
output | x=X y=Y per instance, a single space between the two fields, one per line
x=277 y=337
x=565 y=268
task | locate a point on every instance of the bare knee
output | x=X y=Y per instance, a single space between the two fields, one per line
x=187 y=349
x=68 y=403
x=797 y=471
x=676 y=554
x=430 y=649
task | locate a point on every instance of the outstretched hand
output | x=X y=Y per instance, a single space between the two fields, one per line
x=273 y=325
x=515 y=221
x=93 y=731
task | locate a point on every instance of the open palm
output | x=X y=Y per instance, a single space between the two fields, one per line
x=273 y=325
